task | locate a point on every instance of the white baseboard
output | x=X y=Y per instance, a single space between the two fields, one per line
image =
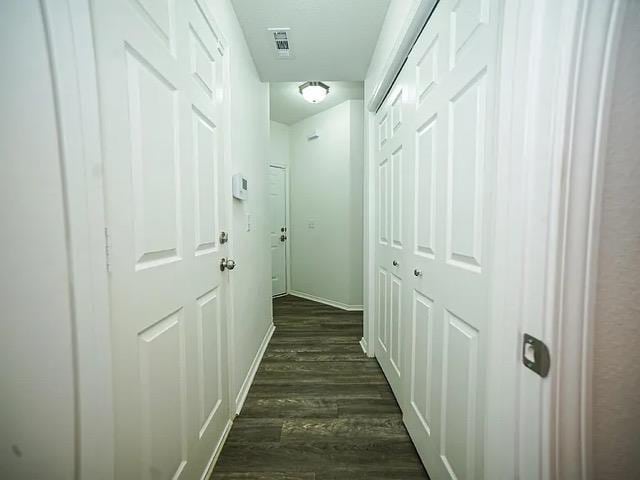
x=326 y=301
x=246 y=385
x=216 y=451
x=363 y=346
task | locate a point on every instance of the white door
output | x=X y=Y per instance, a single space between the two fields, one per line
x=162 y=89
x=391 y=238
x=278 y=229
x=451 y=179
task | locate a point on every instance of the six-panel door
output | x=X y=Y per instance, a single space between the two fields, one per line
x=162 y=93
x=448 y=113
x=392 y=144
x=278 y=229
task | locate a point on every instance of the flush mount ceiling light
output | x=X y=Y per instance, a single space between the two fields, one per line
x=314 y=92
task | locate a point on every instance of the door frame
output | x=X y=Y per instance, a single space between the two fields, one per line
x=287 y=220
x=546 y=223
x=70 y=42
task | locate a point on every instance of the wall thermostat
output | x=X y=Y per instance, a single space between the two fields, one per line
x=240 y=187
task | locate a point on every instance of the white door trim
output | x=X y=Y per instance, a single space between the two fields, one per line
x=227 y=168
x=598 y=29
x=70 y=39
x=368 y=341
x=287 y=215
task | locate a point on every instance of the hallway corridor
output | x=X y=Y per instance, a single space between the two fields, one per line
x=318 y=408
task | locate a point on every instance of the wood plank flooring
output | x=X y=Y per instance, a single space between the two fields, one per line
x=319 y=409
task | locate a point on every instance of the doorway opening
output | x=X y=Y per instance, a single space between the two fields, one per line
x=316 y=172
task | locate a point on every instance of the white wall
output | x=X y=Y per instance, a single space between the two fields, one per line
x=251 y=279
x=37 y=419
x=326 y=205
x=616 y=381
x=279 y=144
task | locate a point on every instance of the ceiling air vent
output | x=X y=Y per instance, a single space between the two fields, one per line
x=280 y=38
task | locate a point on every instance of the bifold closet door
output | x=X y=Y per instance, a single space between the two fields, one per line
x=392 y=142
x=161 y=83
x=448 y=126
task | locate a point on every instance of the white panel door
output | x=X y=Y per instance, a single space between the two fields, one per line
x=278 y=228
x=392 y=149
x=162 y=88
x=451 y=179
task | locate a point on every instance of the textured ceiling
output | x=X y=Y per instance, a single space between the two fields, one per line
x=330 y=39
x=288 y=106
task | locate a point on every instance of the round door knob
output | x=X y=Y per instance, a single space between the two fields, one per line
x=417 y=273
x=283 y=238
x=227 y=263
x=395 y=263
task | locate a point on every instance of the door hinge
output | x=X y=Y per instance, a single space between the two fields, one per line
x=107 y=249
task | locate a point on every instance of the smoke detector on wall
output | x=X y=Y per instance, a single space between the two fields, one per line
x=281 y=38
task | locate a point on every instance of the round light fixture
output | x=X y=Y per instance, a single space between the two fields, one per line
x=314 y=92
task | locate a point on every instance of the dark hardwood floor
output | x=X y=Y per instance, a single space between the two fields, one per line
x=318 y=409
